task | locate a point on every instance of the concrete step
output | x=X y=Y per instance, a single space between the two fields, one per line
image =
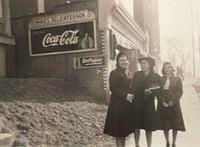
x=6 y=139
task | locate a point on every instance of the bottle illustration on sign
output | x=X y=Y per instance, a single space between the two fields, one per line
x=87 y=42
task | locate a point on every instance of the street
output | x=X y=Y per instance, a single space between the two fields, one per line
x=191 y=112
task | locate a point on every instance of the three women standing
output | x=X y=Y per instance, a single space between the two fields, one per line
x=132 y=104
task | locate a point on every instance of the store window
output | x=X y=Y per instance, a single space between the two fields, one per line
x=1 y=8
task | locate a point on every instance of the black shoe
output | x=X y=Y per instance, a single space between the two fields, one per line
x=173 y=145
x=167 y=145
x=137 y=145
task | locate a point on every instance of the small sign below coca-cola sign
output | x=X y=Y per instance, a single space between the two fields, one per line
x=68 y=38
x=90 y=61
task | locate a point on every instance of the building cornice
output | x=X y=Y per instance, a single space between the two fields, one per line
x=113 y=15
x=128 y=19
x=107 y=10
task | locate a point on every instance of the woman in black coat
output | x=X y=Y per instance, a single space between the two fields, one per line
x=146 y=86
x=118 y=122
x=169 y=108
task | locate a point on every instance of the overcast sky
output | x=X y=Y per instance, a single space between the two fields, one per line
x=175 y=22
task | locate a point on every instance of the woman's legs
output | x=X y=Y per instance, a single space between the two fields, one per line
x=174 y=134
x=137 y=137
x=166 y=133
x=123 y=141
x=120 y=141
x=149 y=138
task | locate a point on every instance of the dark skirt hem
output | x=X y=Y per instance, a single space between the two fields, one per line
x=168 y=129
x=152 y=130
x=117 y=135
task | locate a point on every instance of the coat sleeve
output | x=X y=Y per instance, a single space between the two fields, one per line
x=114 y=87
x=179 y=91
x=133 y=84
x=132 y=89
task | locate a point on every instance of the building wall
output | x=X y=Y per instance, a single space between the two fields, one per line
x=50 y=4
x=138 y=12
x=2 y=62
x=58 y=65
x=109 y=17
x=146 y=15
x=6 y=40
x=129 y=6
x=23 y=7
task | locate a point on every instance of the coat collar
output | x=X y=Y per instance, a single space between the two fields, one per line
x=171 y=78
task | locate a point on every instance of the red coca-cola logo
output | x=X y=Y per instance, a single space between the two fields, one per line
x=69 y=37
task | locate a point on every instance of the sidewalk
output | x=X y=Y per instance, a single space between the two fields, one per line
x=191 y=112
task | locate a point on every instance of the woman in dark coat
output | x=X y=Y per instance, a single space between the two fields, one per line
x=118 y=122
x=169 y=108
x=146 y=86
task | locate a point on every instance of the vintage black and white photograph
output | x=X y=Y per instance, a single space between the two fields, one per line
x=99 y=73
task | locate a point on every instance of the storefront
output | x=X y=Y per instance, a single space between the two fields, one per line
x=78 y=42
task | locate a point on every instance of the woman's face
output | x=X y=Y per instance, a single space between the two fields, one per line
x=123 y=62
x=145 y=65
x=167 y=69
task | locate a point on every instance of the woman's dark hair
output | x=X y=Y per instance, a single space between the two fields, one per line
x=150 y=60
x=119 y=56
x=163 y=68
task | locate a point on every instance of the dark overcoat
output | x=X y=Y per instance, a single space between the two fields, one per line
x=118 y=120
x=171 y=117
x=144 y=105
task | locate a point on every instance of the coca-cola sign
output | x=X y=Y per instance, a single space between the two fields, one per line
x=63 y=39
x=69 y=37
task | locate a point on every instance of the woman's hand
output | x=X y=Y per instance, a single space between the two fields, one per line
x=170 y=103
x=148 y=92
x=130 y=98
x=165 y=104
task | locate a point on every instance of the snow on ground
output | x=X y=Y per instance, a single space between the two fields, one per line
x=52 y=112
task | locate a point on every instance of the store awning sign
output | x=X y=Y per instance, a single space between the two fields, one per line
x=61 y=18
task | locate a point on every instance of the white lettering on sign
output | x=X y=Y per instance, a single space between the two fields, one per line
x=92 y=61
x=69 y=37
x=61 y=18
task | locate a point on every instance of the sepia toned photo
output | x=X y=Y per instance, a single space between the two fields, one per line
x=99 y=73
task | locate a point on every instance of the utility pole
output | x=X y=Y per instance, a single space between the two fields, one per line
x=193 y=47
x=198 y=35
